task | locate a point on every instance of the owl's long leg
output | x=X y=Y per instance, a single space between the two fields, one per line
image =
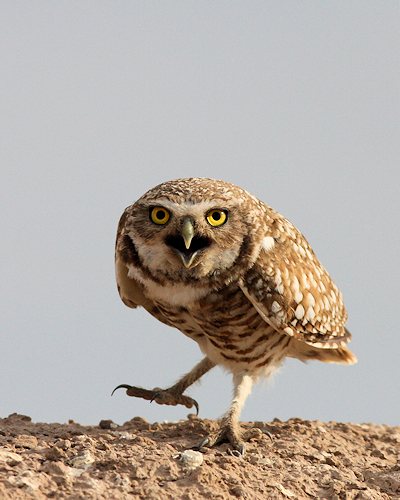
x=230 y=431
x=174 y=394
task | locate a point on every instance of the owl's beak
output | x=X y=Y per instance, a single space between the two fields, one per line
x=187 y=244
x=187 y=232
x=188 y=259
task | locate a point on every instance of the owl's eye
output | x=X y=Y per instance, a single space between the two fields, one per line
x=159 y=215
x=216 y=217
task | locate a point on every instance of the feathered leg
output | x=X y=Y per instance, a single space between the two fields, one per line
x=230 y=431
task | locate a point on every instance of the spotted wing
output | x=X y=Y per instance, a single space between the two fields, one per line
x=293 y=292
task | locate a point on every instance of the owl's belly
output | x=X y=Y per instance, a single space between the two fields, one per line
x=230 y=332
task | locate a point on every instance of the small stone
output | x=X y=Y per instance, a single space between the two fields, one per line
x=55 y=468
x=137 y=472
x=27 y=480
x=191 y=459
x=125 y=435
x=259 y=425
x=140 y=420
x=82 y=461
x=59 y=472
x=266 y=462
x=25 y=441
x=17 y=416
x=120 y=480
x=54 y=453
x=63 y=444
x=332 y=461
x=10 y=458
x=238 y=491
x=107 y=424
x=378 y=453
x=287 y=493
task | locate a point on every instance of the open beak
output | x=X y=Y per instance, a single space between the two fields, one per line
x=188 y=259
x=186 y=243
x=187 y=233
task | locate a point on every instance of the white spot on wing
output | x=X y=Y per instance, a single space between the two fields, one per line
x=288 y=330
x=275 y=307
x=310 y=313
x=298 y=297
x=299 y=313
x=268 y=243
x=310 y=301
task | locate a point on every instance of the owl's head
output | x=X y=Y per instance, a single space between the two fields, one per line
x=194 y=227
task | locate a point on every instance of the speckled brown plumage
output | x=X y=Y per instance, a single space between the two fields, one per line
x=235 y=276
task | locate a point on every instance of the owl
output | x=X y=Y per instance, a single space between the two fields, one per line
x=231 y=273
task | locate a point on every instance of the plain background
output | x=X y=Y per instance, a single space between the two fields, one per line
x=296 y=101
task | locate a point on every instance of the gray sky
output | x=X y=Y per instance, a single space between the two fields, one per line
x=296 y=101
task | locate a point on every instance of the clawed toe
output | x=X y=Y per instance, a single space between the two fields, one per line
x=137 y=392
x=165 y=397
x=160 y=396
x=229 y=434
x=215 y=439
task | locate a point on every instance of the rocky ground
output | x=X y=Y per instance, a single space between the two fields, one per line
x=294 y=459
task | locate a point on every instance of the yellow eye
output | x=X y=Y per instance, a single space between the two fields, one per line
x=216 y=217
x=159 y=215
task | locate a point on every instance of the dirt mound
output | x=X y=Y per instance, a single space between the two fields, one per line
x=293 y=459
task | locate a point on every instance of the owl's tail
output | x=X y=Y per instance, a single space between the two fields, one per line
x=305 y=352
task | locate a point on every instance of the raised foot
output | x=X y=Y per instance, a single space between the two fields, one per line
x=231 y=434
x=160 y=396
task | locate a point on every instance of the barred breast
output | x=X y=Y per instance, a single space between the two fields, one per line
x=230 y=331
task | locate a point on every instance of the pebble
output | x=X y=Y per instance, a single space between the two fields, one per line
x=191 y=459
x=24 y=441
x=140 y=420
x=124 y=435
x=82 y=461
x=9 y=457
x=54 y=453
x=27 y=480
x=238 y=491
x=287 y=493
x=17 y=416
x=107 y=424
x=63 y=444
x=56 y=468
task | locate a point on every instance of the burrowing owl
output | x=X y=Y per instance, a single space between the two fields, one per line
x=231 y=273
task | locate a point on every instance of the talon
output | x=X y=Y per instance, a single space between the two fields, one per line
x=240 y=450
x=196 y=405
x=121 y=386
x=252 y=433
x=231 y=434
x=237 y=452
x=203 y=444
x=155 y=396
x=137 y=392
x=269 y=435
